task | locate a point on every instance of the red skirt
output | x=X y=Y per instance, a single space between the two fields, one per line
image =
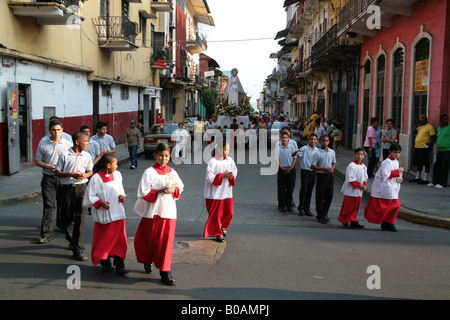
x=153 y=242
x=109 y=240
x=220 y=213
x=349 y=209
x=379 y=209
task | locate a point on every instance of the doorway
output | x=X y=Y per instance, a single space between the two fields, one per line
x=25 y=133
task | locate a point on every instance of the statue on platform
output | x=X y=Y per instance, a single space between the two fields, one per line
x=233 y=88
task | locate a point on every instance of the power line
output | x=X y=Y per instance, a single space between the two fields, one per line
x=236 y=40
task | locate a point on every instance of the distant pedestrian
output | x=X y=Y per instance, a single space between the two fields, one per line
x=105 y=195
x=220 y=179
x=442 y=164
x=353 y=187
x=370 y=144
x=337 y=123
x=422 y=148
x=133 y=142
x=388 y=137
x=286 y=173
x=47 y=155
x=324 y=163
x=159 y=188
x=181 y=138
x=160 y=118
x=74 y=168
x=384 y=205
x=307 y=174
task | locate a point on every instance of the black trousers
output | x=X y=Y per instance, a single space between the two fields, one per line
x=372 y=160
x=285 y=187
x=441 y=168
x=73 y=213
x=308 y=180
x=324 y=193
x=50 y=188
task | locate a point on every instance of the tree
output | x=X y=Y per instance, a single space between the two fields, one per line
x=209 y=96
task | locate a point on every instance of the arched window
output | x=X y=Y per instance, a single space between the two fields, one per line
x=397 y=87
x=421 y=72
x=366 y=96
x=379 y=102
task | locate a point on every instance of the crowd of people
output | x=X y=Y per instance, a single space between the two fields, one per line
x=79 y=172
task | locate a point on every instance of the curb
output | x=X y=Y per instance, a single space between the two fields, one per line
x=410 y=214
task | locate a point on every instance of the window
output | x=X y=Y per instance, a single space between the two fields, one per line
x=124 y=93
x=397 y=88
x=379 y=102
x=366 y=97
x=421 y=67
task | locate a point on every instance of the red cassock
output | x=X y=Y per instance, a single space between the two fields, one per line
x=384 y=204
x=109 y=240
x=218 y=194
x=349 y=209
x=153 y=242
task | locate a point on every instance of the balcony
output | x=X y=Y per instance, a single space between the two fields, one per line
x=330 y=50
x=161 y=6
x=355 y=16
x=197 y=45
x=116 y=33
x=46 y=12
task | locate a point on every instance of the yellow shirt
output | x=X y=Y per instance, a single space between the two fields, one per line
x=423 y=135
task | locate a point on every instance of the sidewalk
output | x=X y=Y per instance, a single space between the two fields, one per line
x=26 y=184
x=420 y=203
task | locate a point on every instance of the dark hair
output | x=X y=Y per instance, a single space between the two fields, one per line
x=324 y=136
x=358 y=150
x=389 y=120
x=54 y=122
x=373 y=120
x=395 y=147
x=77 y=136
x=101 y=124
x=312 y=135
x=162 y=147
x=286 y=128
x=84 y=126
x=443 y=116
x=283 y=134
x=105 y=159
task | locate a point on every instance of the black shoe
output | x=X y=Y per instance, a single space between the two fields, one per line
x=308 y=213
x=282 y=209
x=45 y=239
x=423 y=182
x=107 y=268
x=388 y=227
x=148 y=268
x=122 y=271
x=220 y=239
x=345 y=225
x=414 y=180
x=224 y=232
x=301 y=212
x=322 y=220
x=166 y=277
x=78 y=255
x=289 y=209
x=356 y=225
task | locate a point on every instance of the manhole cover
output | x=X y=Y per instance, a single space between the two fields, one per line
x=180 y=246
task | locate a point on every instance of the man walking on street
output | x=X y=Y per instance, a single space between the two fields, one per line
x=425 y=137
x=133 y=141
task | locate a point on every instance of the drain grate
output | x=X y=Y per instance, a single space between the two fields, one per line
x=180 y=246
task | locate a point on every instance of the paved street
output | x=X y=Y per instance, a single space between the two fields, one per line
x=268 y=255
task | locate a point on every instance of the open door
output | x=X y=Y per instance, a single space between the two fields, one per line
x=12 y=113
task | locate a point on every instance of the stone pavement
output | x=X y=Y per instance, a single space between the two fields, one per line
x=420 y=203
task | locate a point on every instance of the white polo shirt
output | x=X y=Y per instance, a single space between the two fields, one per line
x=49 y=151
x=70 y=161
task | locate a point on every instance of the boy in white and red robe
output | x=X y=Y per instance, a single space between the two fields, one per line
x=353 y=187
x=105 y=196
x=384 y=205
x=221 y=175
x=158 y=190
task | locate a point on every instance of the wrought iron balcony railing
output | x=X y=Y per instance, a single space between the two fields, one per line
x=351 y=11
x=116 y=28
x=66 y=3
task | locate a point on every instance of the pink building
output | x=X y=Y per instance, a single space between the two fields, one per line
x=404 y=65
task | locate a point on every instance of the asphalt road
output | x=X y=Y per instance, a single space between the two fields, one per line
x=268 y=255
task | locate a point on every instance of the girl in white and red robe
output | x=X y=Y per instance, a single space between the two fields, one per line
x=158 y=190
x=384 y=205
x=105 y=195
x=221 y=175
x=354 y=185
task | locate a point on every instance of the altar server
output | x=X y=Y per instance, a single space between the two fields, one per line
x=220 y=179
x=158 y=190
x=105 y=195
x=383 y=205
x=353 y=187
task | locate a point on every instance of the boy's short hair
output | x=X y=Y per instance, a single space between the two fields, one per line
x=284 y=134
x=286 y=128
x=395 y=147
x=358 y=150
x=101 y=124
x=312 y=135
x=84 y=127
x=54 y=122
x=77 y=136
x=162 y=147
x=324 y=136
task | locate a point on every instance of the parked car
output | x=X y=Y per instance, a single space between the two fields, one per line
x=296 y=134
x=158 y=133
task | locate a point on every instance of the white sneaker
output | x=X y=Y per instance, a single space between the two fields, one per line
x=438 y=186
x=430 y=185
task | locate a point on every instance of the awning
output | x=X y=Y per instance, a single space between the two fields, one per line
x=282 y=34
x=289 y=2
